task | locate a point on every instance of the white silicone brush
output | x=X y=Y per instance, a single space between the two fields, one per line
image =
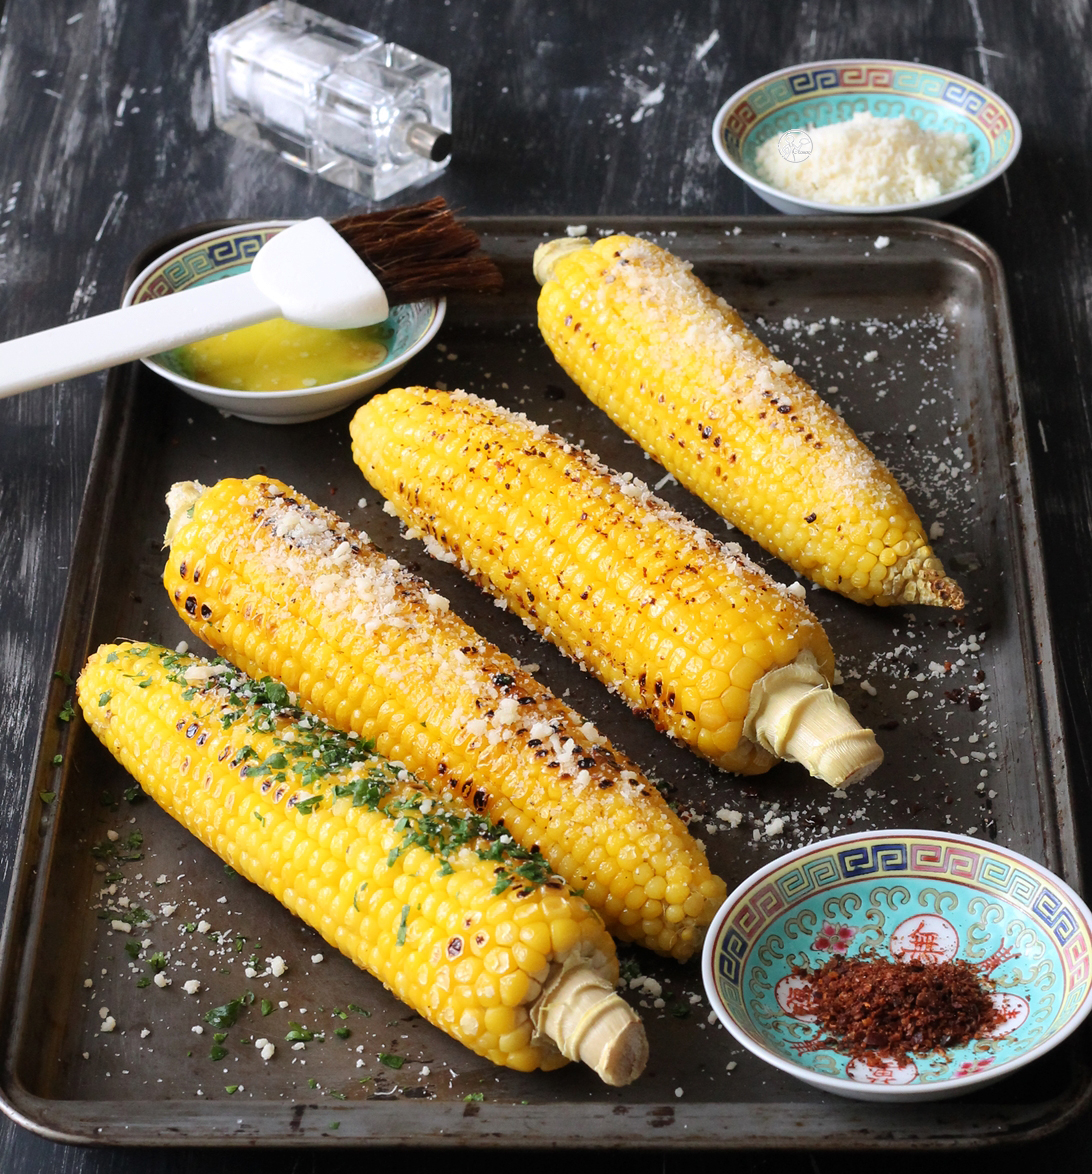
x=336 y=276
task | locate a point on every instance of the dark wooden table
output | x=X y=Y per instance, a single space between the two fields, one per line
x=106 y=142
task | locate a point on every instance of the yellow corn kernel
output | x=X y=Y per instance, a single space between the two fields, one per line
x=593 y=527
x=347 y=814
x=676 y=368
x=367 y=645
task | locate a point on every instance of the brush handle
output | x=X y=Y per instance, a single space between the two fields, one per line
x=307 y=273
x=132 y=333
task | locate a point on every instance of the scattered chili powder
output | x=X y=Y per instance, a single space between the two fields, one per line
x=878 y=1007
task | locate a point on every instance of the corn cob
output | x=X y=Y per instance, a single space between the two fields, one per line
x=282 y=587
x=675 y=367
x=687 y=630
x=468 y=929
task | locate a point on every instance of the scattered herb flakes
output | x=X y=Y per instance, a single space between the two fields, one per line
x=680 y=1011
x=337 y=1095
x=240 y=942
x=57 y=759
x=389 y=1061
x=229 y=871
x=132 y=949
x=629 y=969
x=474 y=1096
x=312 y=1082
x=267 y=1007
x=231 y=1088
x=47 y=796
x=335 y=1124
x=104 y=698
x=67 y=712
x=216 y=1052
x=360 y=1011
x=132 y=794
x=61 y=675
x=338 y=1013
x=226 y=1015
x=143 y=981
x=157 y=961
x=342 y=1032
x=219 y=1037
x=402 y=926
x=298 y=1034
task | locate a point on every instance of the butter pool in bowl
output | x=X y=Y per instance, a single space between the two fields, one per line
x=229 y=251
x=901 y=896
x=782 y=106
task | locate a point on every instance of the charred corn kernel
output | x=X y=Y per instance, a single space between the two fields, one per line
x=615 y=577
x=250 y=771
x=675 y=367
x=276 y=583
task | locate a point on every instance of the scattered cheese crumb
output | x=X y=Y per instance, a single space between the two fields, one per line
x=870 y=356
x=316 y=958
x=108 y=1024
x=191 y=986
x=881 y=242
x=161 y=980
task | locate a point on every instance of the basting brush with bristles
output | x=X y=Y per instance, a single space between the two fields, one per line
x=336 y=276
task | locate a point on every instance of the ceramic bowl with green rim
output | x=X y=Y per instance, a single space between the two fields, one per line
x=900 y=896
x=227 y=252
x=784 y=104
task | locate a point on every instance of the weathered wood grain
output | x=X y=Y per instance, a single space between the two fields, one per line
x=572 y=107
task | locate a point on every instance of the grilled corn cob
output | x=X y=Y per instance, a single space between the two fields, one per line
x=687 y=630
x=676 y=368
x=282 y=587
x=468 y=929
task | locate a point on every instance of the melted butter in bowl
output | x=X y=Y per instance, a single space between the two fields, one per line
x=276 y=372
x=280 y=355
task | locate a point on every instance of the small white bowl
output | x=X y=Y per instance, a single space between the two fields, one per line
x=229 y=251
x=929 y=896
x=825 y=92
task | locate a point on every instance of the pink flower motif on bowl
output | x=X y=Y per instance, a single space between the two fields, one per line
x=834 y=938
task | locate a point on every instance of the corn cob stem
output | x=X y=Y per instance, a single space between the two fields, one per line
x=795 y=715
x=681 y=626
x=282 y=587
x=676 y=368
x=383 y=865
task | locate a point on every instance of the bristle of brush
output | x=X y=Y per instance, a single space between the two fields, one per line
x=420 y=251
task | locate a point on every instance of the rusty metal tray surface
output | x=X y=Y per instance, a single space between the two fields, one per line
x=912 y=342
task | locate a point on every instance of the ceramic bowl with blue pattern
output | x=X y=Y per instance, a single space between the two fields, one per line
x=825 y=92
x=229 y=251
x=901 y=895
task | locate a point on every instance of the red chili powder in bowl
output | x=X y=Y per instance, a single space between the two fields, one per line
x=878 y=1007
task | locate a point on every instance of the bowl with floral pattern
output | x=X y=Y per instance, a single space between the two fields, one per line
x=226 y=252
x=788 y=102
x=901 y=897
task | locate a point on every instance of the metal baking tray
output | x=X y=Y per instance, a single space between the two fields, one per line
x=912 y=341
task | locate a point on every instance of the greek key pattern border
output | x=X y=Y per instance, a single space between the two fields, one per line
x=213 y=256
x=963 y=96
x=916 y=859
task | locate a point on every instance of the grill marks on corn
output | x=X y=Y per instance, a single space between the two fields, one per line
x=678 y=624
x=299 y=596
x=677 y=369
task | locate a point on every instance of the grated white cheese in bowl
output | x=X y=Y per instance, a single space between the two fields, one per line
x=869 y=161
